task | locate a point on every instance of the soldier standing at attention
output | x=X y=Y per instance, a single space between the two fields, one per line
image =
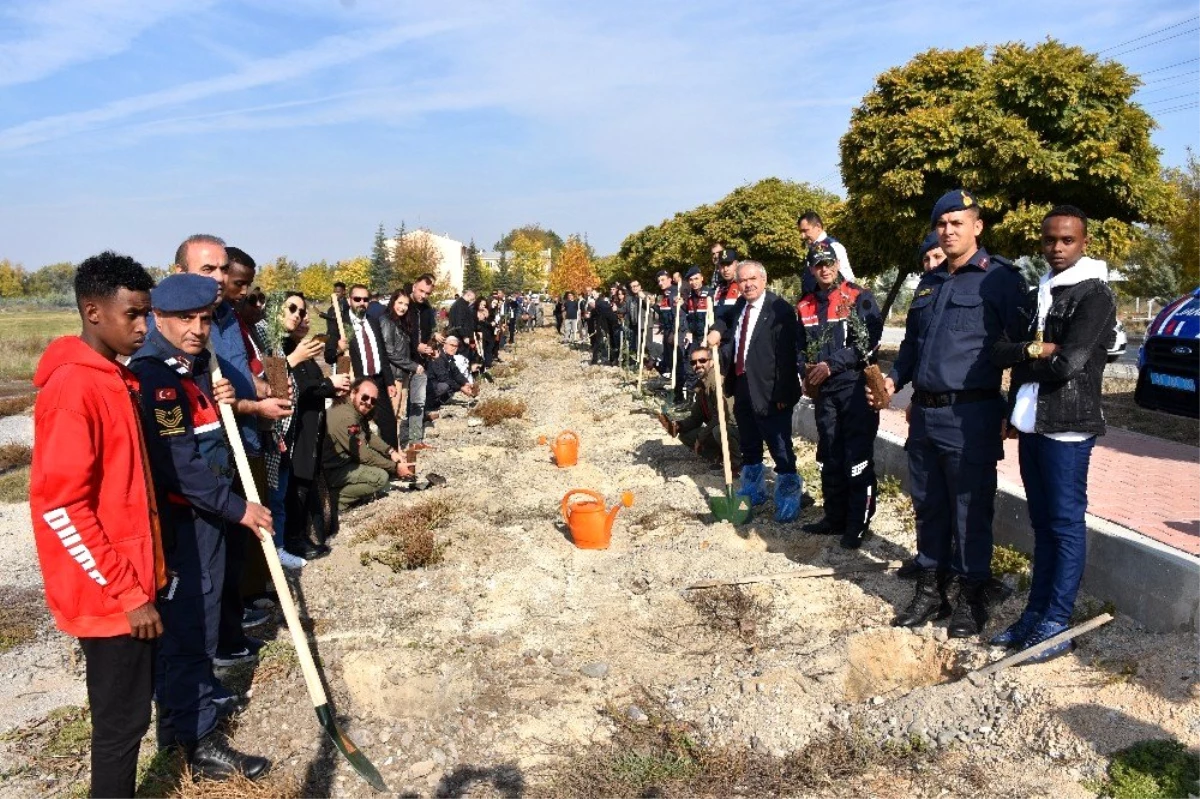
x=727 y=292
x=193 y=473
x=846 y=423
x=958 y=313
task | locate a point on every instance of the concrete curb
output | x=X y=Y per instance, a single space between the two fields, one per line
x=1157 y=586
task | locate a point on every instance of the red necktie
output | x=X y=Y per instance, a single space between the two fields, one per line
x=256 y=365
x=368 y=353
x=740 y=367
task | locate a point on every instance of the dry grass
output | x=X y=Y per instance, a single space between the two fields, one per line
x=665 y=757
x=14 y=486
x=11 y=406
x=22 y=615
x=276 y=785
x=15 y=455
x=409 y=536
x=56 y=746
x=494 y=410
x=731 y=608
x=25 y=335
x=508 y=368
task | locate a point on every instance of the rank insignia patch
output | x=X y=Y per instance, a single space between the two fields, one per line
x=170 y=422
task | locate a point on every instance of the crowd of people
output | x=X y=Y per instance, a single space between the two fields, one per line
x=150 y=548
x=971 y=318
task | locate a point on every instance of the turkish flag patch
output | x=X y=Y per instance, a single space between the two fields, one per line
x=164 y=395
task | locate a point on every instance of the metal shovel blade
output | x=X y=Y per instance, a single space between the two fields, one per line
x=730 y=507
x=353 y=754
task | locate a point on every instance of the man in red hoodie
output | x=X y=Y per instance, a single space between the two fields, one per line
x=94 y=515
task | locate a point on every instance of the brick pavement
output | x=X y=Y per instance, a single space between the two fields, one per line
x=1148 y=485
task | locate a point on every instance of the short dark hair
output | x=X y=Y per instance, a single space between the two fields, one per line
x=360 y=286
x=1068 y=210
x=241 y=257
x=426 y=278
x=811 y=217
x=99 y=277
x=339 y=285
x=198 y=238
x=358 y=381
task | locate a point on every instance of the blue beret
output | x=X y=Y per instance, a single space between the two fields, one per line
x=957 y=200
x=184 y=291
x=819 y=253
x=693 y=270
x=729 y=256
x=931 y=241
x=662 y=273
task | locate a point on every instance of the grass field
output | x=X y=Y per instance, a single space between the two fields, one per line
x=24 y=336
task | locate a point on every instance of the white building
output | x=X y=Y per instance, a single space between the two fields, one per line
x=453 y=255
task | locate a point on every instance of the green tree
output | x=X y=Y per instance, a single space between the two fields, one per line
x=52 y=279
x=381 y=266
x=528 y=268
x=353 y=270
x=504 y=277
x=548 y=239
x=316 y=281
x=413 y=255
x=279 y=275
x=1183 y=222
x=473 y=277
x=1024 y=128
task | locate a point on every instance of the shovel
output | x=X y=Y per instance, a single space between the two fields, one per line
x=731 y=507
x=309 y=668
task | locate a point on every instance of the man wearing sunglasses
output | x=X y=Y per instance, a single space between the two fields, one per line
x=368 y=355
x=357 y=463
x=700 y=430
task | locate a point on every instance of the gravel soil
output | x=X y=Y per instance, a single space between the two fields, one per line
x=479 y=676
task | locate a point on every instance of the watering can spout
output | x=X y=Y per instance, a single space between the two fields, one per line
x=626 y=501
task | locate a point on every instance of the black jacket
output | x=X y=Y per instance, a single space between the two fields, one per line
x=462 y=320
x=399 y=349
x=306 y=434
x=443 y=370
x=420 y=321
x=1080 y=322
x=771 y=358
x=331 y=353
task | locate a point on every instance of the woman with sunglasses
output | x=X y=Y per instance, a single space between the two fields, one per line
x=304 y=433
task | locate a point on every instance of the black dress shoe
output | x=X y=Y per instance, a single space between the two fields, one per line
x=308 y=550
x=929 y=602
x=970 y=610
x=822 y=527
x=214 y=759
x=909 y=569
x=854 y=540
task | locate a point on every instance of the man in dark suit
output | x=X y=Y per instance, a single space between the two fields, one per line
x=367 y=355
x=761 y=346
x=462 y=319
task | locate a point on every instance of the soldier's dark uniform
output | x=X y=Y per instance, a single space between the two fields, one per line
x=954 y=434
x=694 y=324
x=846 y=423
x=666 y=323
x=193 y=473
x=725 y=295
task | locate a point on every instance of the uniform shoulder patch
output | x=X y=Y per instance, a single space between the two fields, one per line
x=170 y=421
x=165 y=395
x=924 y=292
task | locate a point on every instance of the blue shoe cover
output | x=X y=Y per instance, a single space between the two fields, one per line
x=787 y=497
x=753 y=486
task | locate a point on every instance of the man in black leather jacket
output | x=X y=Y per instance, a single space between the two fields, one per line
x=1057 y=350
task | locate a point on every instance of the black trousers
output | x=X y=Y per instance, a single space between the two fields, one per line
x=120 y=684
x=846 y=430
x=305 y=520
x=385 y=417
x=774 y=430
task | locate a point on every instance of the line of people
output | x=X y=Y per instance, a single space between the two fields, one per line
x=150 y=551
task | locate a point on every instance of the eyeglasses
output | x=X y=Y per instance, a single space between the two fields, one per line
x=700 y=361
x=360 y=299
x=367 y=399
x=297 y=309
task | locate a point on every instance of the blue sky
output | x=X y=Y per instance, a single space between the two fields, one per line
x=297 y=127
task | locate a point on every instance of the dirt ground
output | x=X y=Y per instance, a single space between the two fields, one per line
x=483 y=675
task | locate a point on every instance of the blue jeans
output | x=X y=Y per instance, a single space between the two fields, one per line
x=277 y=502
x=1055 y=476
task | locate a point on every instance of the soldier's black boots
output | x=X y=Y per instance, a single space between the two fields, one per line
x=970 y=609
x=929 y=601
x=822 y=527
x=213 y=758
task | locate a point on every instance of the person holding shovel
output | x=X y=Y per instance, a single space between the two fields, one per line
x=840 y=325
x=193 y=473
x=700 y=429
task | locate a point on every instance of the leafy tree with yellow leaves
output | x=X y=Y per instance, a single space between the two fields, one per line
x=572 y=271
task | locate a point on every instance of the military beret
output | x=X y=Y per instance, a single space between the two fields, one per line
x=930 y=242
x=692 y=270
x=957 y=200
x=819 y=253
x=729 y=256
x=662 y=273
x=184 y=291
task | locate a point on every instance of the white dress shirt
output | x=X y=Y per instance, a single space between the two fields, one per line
x=753 y=309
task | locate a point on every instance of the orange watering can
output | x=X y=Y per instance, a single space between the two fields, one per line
x=590 y=524
x=565 y=448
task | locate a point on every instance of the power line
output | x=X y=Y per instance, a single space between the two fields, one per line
x=1154 y=43
x=1186 y=77
x=1177 y=97
x=1187 y=21
x=1184 y=107
x=1169 y=66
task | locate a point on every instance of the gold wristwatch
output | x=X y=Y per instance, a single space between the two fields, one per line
x=1033 y=350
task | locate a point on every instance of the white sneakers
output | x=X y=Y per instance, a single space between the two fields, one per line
x=290 y=561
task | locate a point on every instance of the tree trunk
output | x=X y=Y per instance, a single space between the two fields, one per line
x=902 y=274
